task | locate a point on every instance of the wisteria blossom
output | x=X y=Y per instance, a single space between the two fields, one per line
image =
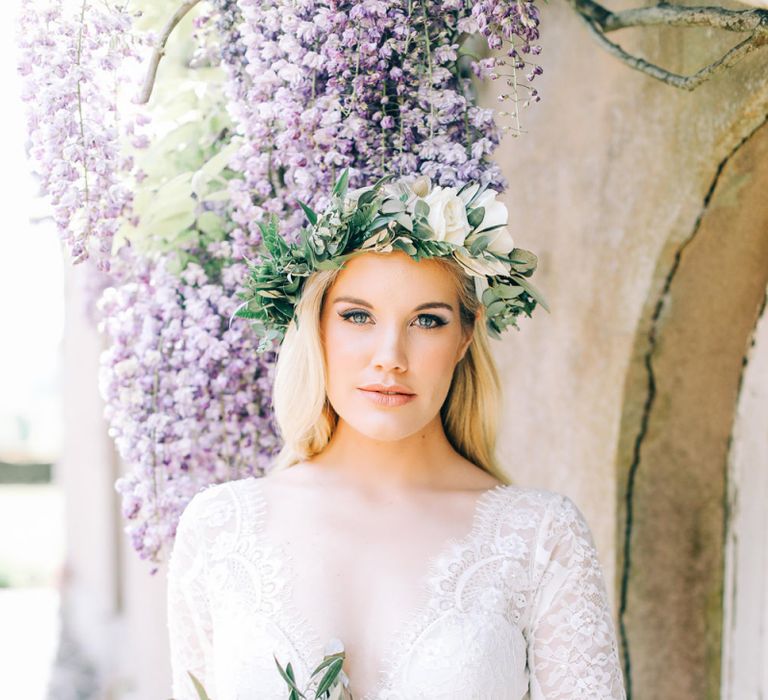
x=73 y=57
x=374 y=85
x=186 y=399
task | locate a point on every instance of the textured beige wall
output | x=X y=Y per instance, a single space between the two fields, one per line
x=618 y=184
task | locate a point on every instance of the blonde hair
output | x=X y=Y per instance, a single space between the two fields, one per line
x=306 y=419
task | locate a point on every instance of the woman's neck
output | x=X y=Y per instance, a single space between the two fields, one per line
x=424 y=460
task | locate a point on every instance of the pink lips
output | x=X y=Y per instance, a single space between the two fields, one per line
x=399 y=388
x=382 y=399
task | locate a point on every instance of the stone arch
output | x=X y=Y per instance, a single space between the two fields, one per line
x=679 y=405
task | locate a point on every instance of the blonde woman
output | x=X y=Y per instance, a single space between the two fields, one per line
x=386 y=523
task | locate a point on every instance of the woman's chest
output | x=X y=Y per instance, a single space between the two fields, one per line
x=414 y=611
x=452 y=637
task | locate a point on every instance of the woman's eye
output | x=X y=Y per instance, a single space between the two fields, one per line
x=351 y=314
x=436 y=321
x=433 y=321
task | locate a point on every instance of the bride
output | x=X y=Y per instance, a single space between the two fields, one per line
x=385 y=524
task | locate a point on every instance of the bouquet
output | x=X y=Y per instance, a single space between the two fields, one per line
x=334 y=684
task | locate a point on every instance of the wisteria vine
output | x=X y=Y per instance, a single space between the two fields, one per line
x=73 y=58
x=309 y=88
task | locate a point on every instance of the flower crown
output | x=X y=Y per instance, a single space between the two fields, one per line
x=408 y=214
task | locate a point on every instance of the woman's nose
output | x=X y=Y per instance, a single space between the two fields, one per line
x=389 y=351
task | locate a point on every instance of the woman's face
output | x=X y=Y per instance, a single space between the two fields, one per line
x=388 y=319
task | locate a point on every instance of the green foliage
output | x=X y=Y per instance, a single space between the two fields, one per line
x=378 y=221
x=182 y=201
x=201 y=694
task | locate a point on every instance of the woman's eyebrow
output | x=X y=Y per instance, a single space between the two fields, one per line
x=425 y=305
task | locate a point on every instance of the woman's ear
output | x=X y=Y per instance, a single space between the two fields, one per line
x=470 y=335
x=465 y=346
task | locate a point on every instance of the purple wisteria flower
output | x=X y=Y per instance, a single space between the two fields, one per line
x=377 y=85
x=187 y=400
x=72 y=58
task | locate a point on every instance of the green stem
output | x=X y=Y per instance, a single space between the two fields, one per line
x=82 y=122
x=517 y=113
x=383 y=134
x=400 y=97
x=429 y=66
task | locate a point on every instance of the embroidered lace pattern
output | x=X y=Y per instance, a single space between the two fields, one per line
x=514 y=610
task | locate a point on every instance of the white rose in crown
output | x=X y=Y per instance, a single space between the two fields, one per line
x=447 y=215
x=495 y=215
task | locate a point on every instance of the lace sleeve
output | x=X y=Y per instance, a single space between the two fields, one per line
x=189 y=621
x=572 y=642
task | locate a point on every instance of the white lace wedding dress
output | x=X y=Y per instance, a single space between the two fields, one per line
x=514 y=610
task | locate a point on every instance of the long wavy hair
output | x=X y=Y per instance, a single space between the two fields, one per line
x=307 y=420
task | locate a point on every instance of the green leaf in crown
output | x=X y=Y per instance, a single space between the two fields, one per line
x=393 y=215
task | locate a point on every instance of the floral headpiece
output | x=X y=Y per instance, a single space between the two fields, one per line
x=408 y=214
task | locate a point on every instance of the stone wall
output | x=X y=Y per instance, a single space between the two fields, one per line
x=647 y=207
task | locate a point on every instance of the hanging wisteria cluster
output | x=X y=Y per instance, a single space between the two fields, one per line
x=183 y=396
x=374 y=85
x=310 y=88
x=73 y=57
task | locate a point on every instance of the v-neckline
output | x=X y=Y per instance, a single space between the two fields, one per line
x=415 y=622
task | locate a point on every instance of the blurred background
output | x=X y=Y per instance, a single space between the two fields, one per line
x=32 y=504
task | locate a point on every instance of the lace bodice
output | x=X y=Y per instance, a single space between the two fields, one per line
x=514 y=610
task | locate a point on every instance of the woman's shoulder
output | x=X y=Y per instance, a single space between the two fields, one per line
x=212 y=503
x=549 y=511
x=532 y=496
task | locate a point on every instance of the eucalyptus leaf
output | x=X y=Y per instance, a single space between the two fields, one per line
x=509 y=291
x=366 y=198
x=405 y=221
x=422 y=231
x=489 y=295
x=379 y=221
x=523 y=259
x=421 y=208
x=535 y=293
x=476 y=244
x=495 y=307
x=475 y=217
x=392 y=206
x=199 y=689
x=404 y=244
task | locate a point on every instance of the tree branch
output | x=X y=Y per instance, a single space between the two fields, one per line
x=599 y=21
x=159 y=51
